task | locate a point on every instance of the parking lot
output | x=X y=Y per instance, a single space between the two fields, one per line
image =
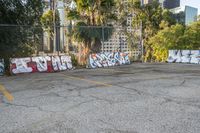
x=136 y=98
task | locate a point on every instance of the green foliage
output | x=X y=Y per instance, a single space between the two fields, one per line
x=73 y=15
x=198 y=17
x=22 y=13
x=83 y=33
x=150 y=16
x=167 y=16
x=47 y=21
x=165 y=39
x=23 y=38
x=88 y=16
x=192 y=36
x=74 y=60
x=125 y=10
x=175 y=37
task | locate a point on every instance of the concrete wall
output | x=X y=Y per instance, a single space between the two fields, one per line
x=107 y=59
x=40 y=64
x=184 y=56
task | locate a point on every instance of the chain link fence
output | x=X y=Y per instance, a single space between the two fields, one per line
x=23 y=40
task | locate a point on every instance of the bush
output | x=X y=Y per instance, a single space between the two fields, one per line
x=74 y=60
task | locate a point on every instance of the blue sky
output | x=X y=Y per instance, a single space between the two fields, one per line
x=193 y=3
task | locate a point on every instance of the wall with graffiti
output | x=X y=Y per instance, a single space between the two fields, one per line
x=184 y=56
x=108 y=59
x=40 y=64
x=1 y=67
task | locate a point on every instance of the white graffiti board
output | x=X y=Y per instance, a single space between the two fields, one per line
x=1 y=67
x=40 y=64
x=108 y=59
x=184 y=56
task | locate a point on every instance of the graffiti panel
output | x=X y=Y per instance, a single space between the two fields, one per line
x=108 y=59
x=40 y=64
x=195 y=56
x=20 y=65
x=67 y=61
x=184 y=56
x=174 y=56
x=1 y=67
x=58 y=64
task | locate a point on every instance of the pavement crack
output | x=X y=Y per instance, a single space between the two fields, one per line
x=27 y=106
x=102 y=99
x=168 y=100
x=79 y=104
x=137 y=91
x=182 y=83
x=19 y=105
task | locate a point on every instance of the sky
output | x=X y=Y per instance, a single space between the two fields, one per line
x=193 y=3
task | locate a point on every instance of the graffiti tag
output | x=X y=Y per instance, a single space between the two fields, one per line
x=184 y=56
x=40 y=64
x=108 y=59
x=1 y=67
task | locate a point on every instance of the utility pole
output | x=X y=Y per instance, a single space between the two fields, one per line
x=141 y=41
x=141 y=38
x=54 y=26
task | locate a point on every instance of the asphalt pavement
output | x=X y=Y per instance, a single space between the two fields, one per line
x=136 y=98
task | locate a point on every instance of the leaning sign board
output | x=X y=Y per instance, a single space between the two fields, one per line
x=108 y=59
x=40 y=64
x=2 y=67
x=184 y=56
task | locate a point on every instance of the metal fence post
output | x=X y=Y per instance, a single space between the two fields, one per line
x=102 y=38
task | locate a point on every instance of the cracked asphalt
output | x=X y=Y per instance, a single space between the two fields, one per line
x=136 y=98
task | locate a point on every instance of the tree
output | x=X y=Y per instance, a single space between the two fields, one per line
x=88 y=16
x=165 y=39
x=47 y=22
x=23 y=37
x=150 y=16
x=192 y=36
x=175 y=37
x=198 y=17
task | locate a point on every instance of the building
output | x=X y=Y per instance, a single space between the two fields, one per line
x=185 y=14
x=191 y=14
x=170 y=4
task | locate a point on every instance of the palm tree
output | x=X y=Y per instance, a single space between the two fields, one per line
x=88 y=17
